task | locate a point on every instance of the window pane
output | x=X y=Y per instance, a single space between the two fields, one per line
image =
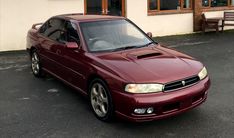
x=115 y=7
x=55 y=36
x=232 y=2
x=72 y=35
x=94 y=6
x=112 y=35
x=219 y=3
x=53 y=24
x=205 y=3
x=187 y=4
x=153 y=4
x=169 y=4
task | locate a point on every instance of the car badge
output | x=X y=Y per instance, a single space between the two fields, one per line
x=183 y=82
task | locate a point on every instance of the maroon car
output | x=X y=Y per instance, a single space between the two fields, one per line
x=119 y=67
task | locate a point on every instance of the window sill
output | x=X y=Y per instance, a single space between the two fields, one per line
x=168 y=12
x=207 y=9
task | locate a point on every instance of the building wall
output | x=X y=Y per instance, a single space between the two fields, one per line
x=17 y=17
x=159 y=25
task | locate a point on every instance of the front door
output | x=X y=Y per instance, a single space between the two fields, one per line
x=105 y=7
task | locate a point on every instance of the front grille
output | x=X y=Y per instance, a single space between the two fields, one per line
x=181 y=83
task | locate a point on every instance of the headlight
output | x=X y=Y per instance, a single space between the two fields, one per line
x=203 y=73
x=143 y=88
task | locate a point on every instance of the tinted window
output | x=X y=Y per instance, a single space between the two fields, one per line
x=112 y=35
x=51 y=26
x=43 y=28
x=72 y=33
x=58 y=35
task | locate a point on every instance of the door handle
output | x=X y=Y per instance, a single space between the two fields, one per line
x=58 y=52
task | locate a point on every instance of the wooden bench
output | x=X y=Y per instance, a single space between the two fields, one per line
x=210 y=23
x=228 y=19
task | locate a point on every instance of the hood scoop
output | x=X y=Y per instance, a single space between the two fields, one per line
x=148 y=55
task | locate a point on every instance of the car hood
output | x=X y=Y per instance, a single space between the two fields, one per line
x=155 y=64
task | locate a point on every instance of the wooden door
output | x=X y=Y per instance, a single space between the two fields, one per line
x=105 y=7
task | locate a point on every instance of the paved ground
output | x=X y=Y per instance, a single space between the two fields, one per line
x=31 y=107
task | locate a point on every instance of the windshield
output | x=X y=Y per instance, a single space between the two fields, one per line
x=113 y=35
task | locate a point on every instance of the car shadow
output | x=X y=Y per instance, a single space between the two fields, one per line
x=82 y=100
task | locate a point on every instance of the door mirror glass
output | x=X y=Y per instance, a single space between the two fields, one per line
x=150 y=34
x=72 y=45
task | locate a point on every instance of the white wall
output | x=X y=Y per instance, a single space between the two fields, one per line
x=159 y=25
x=1 y=23
x=17 y=17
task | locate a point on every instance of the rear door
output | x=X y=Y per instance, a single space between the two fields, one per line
x=51 y=45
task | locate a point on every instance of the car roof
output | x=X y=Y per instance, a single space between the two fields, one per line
x=84 y=18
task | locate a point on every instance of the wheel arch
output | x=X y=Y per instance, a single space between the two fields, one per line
x=111 y=105
x=31 y=50
x=92 y=77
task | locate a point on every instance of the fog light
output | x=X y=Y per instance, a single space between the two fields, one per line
x=150 y=110
x=140 y=111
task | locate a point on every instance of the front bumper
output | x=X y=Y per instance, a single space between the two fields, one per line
x=165 y=104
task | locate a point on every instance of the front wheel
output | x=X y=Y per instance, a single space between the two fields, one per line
x=100 y=100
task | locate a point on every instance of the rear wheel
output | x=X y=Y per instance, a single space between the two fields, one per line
x=100 y=100
x=35 y=64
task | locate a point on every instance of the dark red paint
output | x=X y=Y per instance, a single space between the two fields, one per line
x=77 y=67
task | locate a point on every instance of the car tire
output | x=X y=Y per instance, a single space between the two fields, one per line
x=36 y=64
x=100 y=100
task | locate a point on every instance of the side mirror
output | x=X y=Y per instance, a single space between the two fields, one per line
x=150 y=34
x=72 y=45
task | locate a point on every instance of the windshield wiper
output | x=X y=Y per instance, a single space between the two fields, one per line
x=132 y=47
x=149 y=43
x=125 y=48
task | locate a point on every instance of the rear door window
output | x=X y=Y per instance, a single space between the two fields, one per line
x=51 y=26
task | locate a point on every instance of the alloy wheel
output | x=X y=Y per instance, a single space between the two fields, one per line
x=99 y=100
x=35 y=64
